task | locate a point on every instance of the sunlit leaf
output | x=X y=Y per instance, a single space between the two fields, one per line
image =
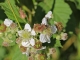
x=16 y=54
x=61 y=12
x=11 y=10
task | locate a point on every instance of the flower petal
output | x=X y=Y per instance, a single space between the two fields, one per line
x=49 y=15
x=44 y=21
x=53 y=29
x=8 y=22
x=64 y=36
x=20 y=32
x=25 y=43
x=27 y=26
x=33 y=33
x=44 y=38
x=32 y=42
x=48 y=38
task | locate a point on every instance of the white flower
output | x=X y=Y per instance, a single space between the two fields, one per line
x=32 y=42
x=44 y=21
x=33 y=33
x=8 y=22
x=49 y=15
x=29 y=43
x=53 y=29
x=64 y=36
x=27 y=26
x=24 y=34
x=44 y=38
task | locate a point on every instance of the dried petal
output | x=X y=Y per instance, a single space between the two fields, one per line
x=18 y=40
x=38 y=45
x=39 y=28
x=59 y=26
x=23 y=49
x=13 y=25
x=22 y=14
x=2 y=28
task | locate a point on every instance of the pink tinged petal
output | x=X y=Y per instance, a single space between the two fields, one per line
x=8 y=22
x=27 y=27
x=32 y=42
x=44 y=21
x=33 y=33
x=49 y=15
x=64 y=36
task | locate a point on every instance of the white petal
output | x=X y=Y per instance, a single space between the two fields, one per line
x=28 y=52
x=33 y=33
x=53 y=29
x=49 y=14
x=43 y=47
x=44 y=21
x=8 y=22
x=44 y=38
x=23 y=52
x=32 y=42
x=27 y=26
x=48 y=39
x=20 y=32
x=25 y=44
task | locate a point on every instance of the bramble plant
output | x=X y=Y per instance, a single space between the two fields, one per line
x=34 y=32
x=31 y=40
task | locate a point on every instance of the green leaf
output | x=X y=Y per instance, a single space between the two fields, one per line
x=61 y=12
x=16 y=54
x=11 y=10
x=1 y=41
x=46 y=5
x=77 y=3
x=58 y=44
x=1 y=21
x=2 y=52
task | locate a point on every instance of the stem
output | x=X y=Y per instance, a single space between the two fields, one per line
x=14 y=14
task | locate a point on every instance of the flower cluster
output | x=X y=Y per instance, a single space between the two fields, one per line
x=8 y=32
x=31 y=40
